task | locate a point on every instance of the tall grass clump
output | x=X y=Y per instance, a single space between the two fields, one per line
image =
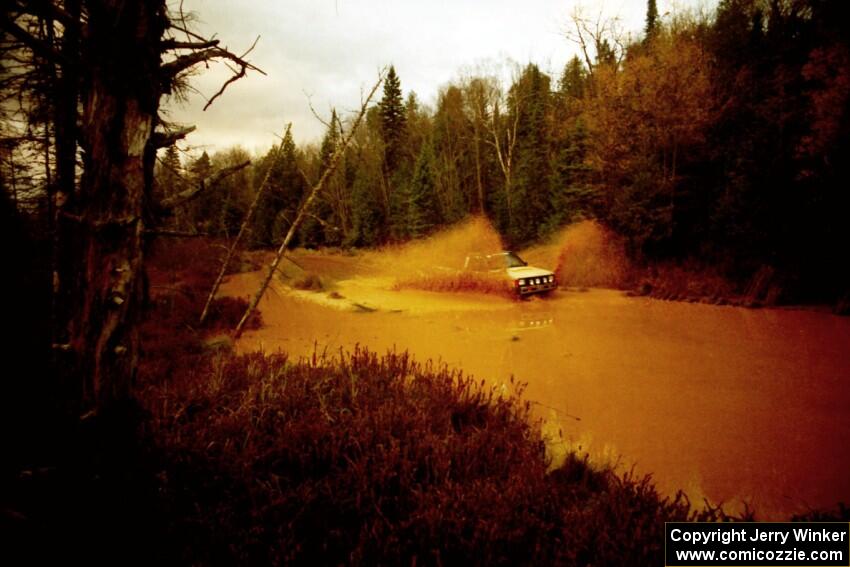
x=459 y=282
x=361 y=459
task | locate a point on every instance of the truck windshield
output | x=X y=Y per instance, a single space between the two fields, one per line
x=514 y=261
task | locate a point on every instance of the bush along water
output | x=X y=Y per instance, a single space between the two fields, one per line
x=364 y=459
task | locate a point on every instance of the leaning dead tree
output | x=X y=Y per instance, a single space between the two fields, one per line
x=186 y=196
x=304 y=210
x=244 y=228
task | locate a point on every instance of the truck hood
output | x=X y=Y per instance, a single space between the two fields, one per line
x=527 y=272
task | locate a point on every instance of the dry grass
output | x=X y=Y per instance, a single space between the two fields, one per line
x=436 y=263
x=459 y=282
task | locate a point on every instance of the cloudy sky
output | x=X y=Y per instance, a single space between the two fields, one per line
x=326 y=52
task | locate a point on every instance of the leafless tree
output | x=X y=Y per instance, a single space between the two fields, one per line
x=598 y=37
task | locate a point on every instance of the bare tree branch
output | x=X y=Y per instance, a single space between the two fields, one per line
x=38 y=46
x=305 y=206
x=165 y=139
x=47 y=9
x=244 y=227
x=185 y=196
x=169 y=44
x=226 y=84
x=173 y=68
x=316 y=114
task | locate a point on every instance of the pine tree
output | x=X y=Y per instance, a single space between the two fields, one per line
x=367 y=213
x=573 y=80
x=280 y=201
x=168 y=181
x=532 y=178
x=454 y=157
x=318 y=229
x=422 y=210
x=605 y=54
x=199 y=209
x=572 y=195
x=169 y=174
x=651 y=28
x=393 y=122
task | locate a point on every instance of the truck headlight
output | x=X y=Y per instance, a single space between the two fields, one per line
x=521 y=282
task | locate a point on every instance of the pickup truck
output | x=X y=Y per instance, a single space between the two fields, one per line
x=525 y=279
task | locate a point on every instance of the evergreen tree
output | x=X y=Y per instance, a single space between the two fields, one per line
x=454 y=156
x=605 y=54
x=422 y=207
x=393 y=122
x=321 y=228
x=168 y=181
x=572 y=195
x=169 y=174
x=367 y=212
x=279 y=203
x=199 y=209
x=201 y=167
x=532 y=178
x=573 y=80
x=651 y=28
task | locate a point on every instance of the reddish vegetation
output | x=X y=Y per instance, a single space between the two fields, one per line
x=683 y=282
x=455 y=282
x=362 y=459
x=181 y=273
x=590 y=255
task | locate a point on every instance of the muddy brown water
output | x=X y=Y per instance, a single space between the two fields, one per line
x=728 y=404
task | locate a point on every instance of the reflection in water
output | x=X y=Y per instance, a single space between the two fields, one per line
x=728 y=404
x=530 y=321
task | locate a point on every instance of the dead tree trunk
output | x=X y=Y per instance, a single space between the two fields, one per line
x=110 y=58
x=121 y=93
x=305 y=207
x=242 y=229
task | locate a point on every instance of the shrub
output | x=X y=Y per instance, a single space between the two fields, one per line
x=363 y=459
x=181 y=274
x=308 y=281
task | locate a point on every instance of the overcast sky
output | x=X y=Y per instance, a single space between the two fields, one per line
x=326 y=52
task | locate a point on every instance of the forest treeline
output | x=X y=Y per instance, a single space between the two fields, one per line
x=721 y=138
